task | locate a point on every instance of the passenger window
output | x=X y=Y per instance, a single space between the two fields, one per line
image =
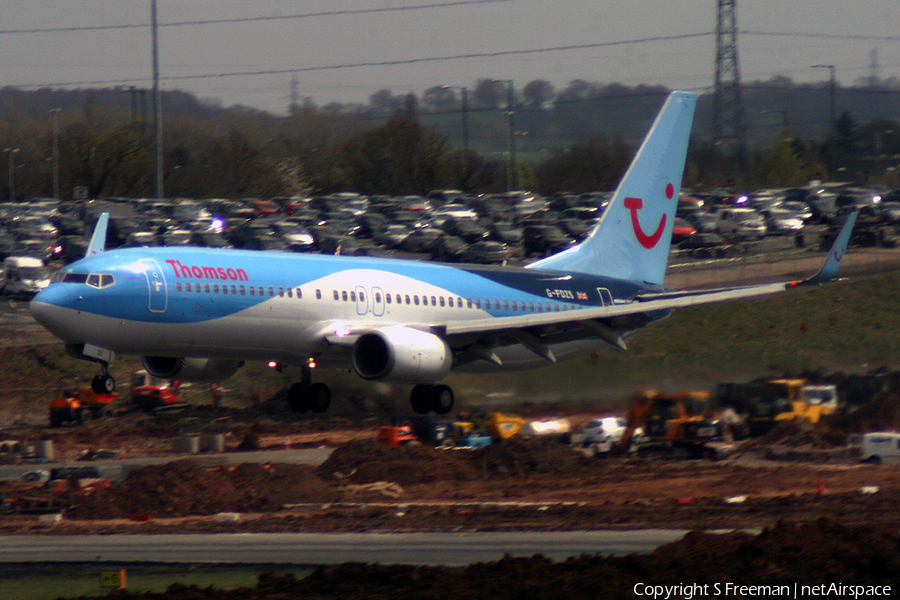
x=362 y=296
x=469 y=302
x=434 y=301
x=353 y=296
x=234 y=289
x=318 y=294
x=187 y=288
x=243 y=291
x=407 y=299
x=344 y=296
x=388 y=298
x=260 y=290
x=272 y=292
x=442 y=301
x=281 y=292
x=416 y=300
x=206 y=288
x=299 y=293
x=178 y=287
x=377 y=298
x=477 y=303
x=252 y=291
x=336 y=295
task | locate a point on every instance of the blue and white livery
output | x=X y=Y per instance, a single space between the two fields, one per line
x=198 y=314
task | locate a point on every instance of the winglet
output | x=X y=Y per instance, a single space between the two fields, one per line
x=833 y=261
x=98 y=239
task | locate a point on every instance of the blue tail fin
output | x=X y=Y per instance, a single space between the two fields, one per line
x=632 y=239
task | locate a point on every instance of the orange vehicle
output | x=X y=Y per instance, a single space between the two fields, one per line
x=683 y=421
x=149 y=392
x=79 y=406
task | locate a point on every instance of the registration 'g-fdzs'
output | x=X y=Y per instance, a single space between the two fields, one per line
x=197 y=314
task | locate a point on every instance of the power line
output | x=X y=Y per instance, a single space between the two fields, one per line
x=828 y=36
x=329 y=13
x=387 y=63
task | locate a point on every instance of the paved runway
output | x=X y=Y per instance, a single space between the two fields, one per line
x=421 y=548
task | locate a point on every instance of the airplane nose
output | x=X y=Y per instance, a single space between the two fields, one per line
x=49 y=308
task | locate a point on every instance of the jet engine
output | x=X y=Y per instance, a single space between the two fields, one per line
x=198 y=370
x=402 y=354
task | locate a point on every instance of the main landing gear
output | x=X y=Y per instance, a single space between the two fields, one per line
x=306 y=395
x=426 y=398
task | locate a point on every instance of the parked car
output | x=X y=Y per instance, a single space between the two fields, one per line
x=544 y=239
x=703 y=222
x=782 y=222
x=682 y=230
x=486 y=253
x=742 y=222
x=706 y=245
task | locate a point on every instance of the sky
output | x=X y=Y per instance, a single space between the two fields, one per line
x=345 y=50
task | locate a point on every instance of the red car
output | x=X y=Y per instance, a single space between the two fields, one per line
x=682 y=230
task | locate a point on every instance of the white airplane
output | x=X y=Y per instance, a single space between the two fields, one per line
x=197 y=314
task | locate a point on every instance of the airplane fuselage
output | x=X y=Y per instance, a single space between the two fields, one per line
x=234 y=304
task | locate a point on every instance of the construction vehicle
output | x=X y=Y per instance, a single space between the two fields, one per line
x=79 y=406
x=683 y=423
x=149 y=392
x=762 y=404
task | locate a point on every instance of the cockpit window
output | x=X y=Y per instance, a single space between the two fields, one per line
x=100 y=280
x=74 y=278
x=97 y=280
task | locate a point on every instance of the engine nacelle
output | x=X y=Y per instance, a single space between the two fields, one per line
x=402 y=354
x=197 y=370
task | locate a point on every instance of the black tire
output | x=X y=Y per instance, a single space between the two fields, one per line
x=318 y=397
x=441 y=399
x=103 y=384
x=420 y=399
x=297 y=397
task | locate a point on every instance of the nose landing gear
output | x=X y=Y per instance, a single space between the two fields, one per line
x=103 y=383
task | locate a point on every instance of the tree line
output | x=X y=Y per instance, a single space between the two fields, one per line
x=577 y=139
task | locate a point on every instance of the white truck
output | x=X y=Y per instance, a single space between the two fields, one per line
x=23 y=276
x=880 y=447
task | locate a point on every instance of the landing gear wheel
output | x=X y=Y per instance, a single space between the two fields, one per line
x=420 y=398
x=103 y=384
x=442 y=399
x=297 y=397
x=318 y=397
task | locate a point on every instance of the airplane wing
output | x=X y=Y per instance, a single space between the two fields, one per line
x=473 y=340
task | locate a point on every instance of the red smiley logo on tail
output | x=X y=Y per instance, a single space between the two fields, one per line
x=634 y=205
x=838 y=256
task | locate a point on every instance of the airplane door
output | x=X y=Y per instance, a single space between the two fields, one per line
x=156 y=282
x=362 y=301
x=606 y=298
x=377 y=301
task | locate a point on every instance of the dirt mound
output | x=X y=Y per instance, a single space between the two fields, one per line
x=367 y=461
x=183 y=488
x=797 y=433
x=814 y=553
x=530 y=456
